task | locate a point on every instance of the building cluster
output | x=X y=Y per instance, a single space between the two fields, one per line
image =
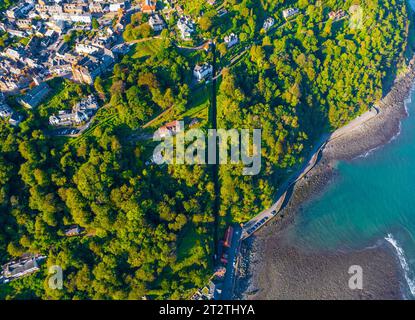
x=216 y=284
x=6 y=112
x=186 y=27
x=48 y=53
x=231 y=40
x=80 y=113
x=35 y=96
x=22 y=65
x=213 y=290
x=15 y=269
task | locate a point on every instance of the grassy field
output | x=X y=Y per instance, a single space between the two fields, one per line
x=147 y=48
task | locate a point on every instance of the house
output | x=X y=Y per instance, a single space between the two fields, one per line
x=20 y=268
x=60 y=69
x=231 y=40
x=148 y=6
x=35 y=96
x=156 y=22
x=170 y=128
x=222 y=12
x=290 y=12
x=14 y=13
x=7 y=112
x=80 y=113
x=89 y=105
x=76 y=18
x=203 y=71
x=85 y=48
x=15 y=54
x=67 y=118
x=186 y=27
x=73 y=231
x=215 y=290
x=48 y=9
x=337 y=15
x=58 y=26
x=115 y=6
x=95 y=7
x=24 y=24
x=74 y=8
x=16 y=33
x=156 y=158
x=268 y=23
x=8 y=84
x=62 y=48
x=92 y=66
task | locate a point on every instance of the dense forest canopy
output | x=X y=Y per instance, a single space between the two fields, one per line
x=148 y=228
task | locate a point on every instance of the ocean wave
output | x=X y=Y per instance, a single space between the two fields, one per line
x=407 y=102
x=368 y=153
x=403 y=262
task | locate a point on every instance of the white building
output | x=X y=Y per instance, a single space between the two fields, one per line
x=231 y=40
x=5 y=110
x=81 y=112
x=89 y=105
x=84 y=48
x=20 y=268
x=186 y=27
x=268 y=23
x=81 y=18
x=65 y=118
x=156 y=23
x=114 y=7
x=290 y=12
x=203 y=71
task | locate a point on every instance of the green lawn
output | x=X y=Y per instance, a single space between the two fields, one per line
x=147 y=48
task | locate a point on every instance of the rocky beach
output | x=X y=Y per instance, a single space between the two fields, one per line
x=273 y=268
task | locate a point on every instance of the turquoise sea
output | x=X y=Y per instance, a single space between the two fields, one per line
x=372 y=199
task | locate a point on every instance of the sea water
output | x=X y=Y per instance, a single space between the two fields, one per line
x=371 y=200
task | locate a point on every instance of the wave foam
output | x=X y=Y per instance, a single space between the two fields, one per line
x=403 y=262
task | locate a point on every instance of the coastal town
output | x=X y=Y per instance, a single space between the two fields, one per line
x=42 y=47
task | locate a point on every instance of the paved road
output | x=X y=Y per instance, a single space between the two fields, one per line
x=229 y=282
x=265 y=216
x=261 y=219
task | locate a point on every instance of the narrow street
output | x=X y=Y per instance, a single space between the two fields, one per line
x=231 y=267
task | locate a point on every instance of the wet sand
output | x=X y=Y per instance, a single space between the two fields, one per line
x=272 y=268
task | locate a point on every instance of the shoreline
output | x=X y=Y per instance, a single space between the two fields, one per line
x=268 y=254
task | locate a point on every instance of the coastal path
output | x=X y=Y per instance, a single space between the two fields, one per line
x=265 y=216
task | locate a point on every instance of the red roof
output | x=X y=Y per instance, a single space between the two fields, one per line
x=148 y=6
